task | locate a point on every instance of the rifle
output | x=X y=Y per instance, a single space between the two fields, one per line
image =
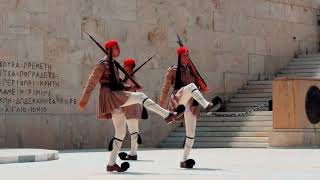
x=138 y=68
x=179 y=41
x=115 y=62
x=115 y=85
x=203 y=84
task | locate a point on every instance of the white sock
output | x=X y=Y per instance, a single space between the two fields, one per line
x=152 y=106
x=134 y=144
x=141 y=98
x=119 y=123
x=114 y=153
x=190 y=124
x=196 y=94
x=187 y=148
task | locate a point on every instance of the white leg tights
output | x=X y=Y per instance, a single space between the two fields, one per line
x=141 y=98
x=190 y=123
x=133 y=126
x=191 y=91
x=119 y=123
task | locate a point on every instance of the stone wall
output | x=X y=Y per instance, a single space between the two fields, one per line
x=230 y=41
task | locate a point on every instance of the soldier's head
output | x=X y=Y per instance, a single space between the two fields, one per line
x=183 y=54
x=113 y=46
x=129 y=64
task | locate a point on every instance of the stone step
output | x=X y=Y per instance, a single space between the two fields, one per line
x=218 y=145
x=258 y=86
x=231 y=119
x=218 y=139
x=255 y=113
x=300 y=75
x=249 y=99
x=243 y=109
x=223 y=134
x=303 y=67
x=299 y=63
x=309 y=55
x=253 y=95
x=316 y=58
x=234 y=123
x=306 y=67
x=228 y=129
x=245 y=104
x=260 y=82
x=310 y=66
x=293 y=71
x=254 y=91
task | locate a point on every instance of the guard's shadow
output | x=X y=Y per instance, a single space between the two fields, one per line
x=144 y=173
x=128 y=173
x=201 y=169
x=143 y=161
x=135 y=173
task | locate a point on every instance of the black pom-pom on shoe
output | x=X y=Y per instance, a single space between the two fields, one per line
x=181 y=108
x=125 y=166
x=217 y=101
x=123 y=155
x=215 y=105
x=190 y=163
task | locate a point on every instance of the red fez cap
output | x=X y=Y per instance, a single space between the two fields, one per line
x=110 y=43
x=129 y=61
x=182 y=50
